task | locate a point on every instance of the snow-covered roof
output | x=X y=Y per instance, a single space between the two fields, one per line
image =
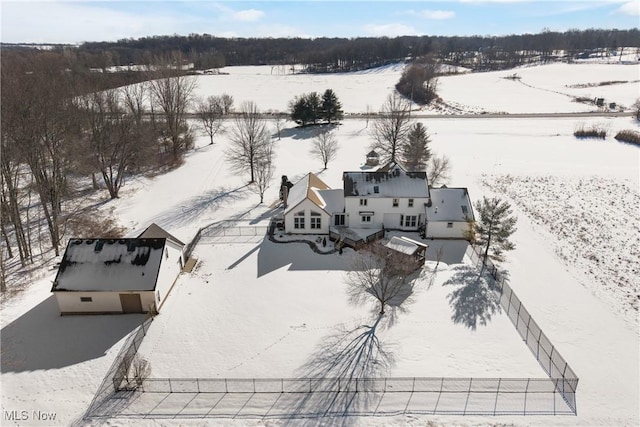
x=449 y=204
x=405 y=245
x=390 y=180
x=110 y=265
x=333 y=200
x=154 y=231
x=306 y=188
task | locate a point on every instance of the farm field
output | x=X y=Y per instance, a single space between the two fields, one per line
x=531 y=162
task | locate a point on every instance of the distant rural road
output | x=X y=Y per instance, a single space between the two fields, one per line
x=522 y=115
x=349 y=116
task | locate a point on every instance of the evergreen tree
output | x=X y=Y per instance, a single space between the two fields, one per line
x=495 y=226
x=331 y=109
x=415 y=150
x=305 y=109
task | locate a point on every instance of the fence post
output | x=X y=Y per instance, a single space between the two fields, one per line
x=198 y=384
x=526 y=393
x=538 y=347
x=309 y=385
x=170 y=389
x=518 y=318
x=551 y=360
x=413 y=386
x=281 y=385
x=254 y=385
x=226 y=388
x=495 y=406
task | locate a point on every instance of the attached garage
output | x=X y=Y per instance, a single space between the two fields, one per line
x=99 y=276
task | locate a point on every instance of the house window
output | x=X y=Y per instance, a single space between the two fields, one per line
x=410 y=203
x=298 y=220
x=363 y=202
x=339 y=219
x=376 y=189
x=409 y=221
x=396 y=202
x=365 y=218
x=86 y=299
x=449 y=225
x=316 y=221
x=465 y=210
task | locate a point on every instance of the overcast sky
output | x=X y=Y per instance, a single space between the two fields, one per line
x=83 y=20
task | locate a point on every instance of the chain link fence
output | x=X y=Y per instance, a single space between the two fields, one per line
x=119 y=369
x=312 y=397
x=546 y=354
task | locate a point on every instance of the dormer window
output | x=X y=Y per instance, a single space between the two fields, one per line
x=465 y=210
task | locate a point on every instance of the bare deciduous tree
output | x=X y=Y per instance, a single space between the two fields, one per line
x=171 y=96
x=278 y=122
x=324 y=147
x=110 y=146
x=391 y=126
x=250 y=142
x=380 y=274
x=210 y=113
x=264 y=175
x=438 y=171
x=226 y=102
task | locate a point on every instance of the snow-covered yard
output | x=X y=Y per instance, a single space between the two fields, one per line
x=272 y=310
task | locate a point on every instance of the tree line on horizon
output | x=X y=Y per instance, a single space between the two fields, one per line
x=325 y=54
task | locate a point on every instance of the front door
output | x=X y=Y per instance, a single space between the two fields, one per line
x=131 y=303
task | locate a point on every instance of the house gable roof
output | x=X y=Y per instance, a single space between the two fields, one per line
x=110 y=265
x=308 y=187
x=154 y=231
x=449 y=204
x=391 y=180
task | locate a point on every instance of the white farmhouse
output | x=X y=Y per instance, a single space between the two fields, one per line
x=389 y=198
x=134 y=275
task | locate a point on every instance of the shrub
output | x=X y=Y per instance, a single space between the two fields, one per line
x=629 y=136
x=594 y=131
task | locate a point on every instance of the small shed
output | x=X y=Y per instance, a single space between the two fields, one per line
x=413 y=250
x=100 y=276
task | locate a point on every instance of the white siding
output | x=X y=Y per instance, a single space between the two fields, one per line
x=306 y=206
x=384 y=211
x=169 y=270
x=439 y=230
x=101 y=302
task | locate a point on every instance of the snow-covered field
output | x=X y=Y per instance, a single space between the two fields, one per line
x=542 y=89
x=534 y=163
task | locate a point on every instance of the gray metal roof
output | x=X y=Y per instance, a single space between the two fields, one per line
x=389 y=181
